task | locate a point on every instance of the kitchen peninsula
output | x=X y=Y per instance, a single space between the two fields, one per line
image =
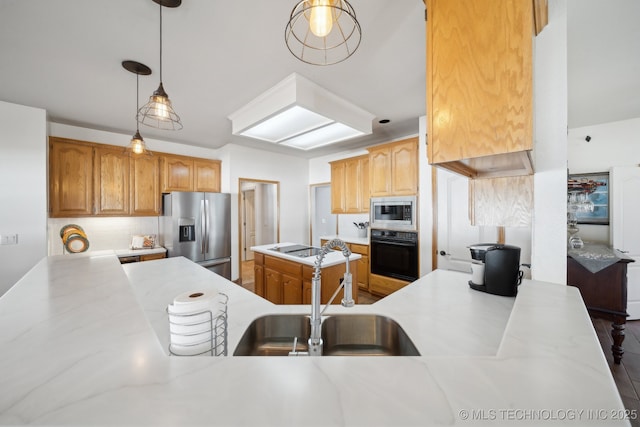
x=83 y=341
x=283 y=273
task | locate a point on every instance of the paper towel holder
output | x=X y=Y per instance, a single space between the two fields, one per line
x=216 y=345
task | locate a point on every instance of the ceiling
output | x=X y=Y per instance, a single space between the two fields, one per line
x=65 y=56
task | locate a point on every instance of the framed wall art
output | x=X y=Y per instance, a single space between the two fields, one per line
x=588 y=195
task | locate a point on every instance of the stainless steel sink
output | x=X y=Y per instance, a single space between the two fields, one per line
x=343 y=335
x=365 y=335
x=273 y=335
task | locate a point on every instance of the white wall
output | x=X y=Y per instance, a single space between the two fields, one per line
x=23 y=194
x=425 y=201
x=292 y=174
x=549 y=241
x=611 y=144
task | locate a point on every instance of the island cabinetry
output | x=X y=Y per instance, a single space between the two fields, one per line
x=181 y=173
x=393 y=168
x=284 y=281
x=258 y=274
x=362 y=265
x=350 y=185
x=480 y=85
x=70 y=178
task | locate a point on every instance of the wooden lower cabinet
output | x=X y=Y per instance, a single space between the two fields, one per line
x=150 y=257
x=258 y=274
x=287 y=282
x=382 y=285
x=362 y=265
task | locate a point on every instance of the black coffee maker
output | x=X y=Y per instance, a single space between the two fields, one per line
x=497 y=267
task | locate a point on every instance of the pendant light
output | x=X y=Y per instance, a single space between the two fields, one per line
x=323 y=32
x=137 y=145
x=158 y=112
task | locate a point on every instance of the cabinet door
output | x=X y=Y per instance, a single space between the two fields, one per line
x=145 y=186
x=151 y=257
x=258 y=280
x=273 y=286
x=206 y=176
x=404 y=168
x=363 y=272
x=380 y=172
x=479 y=78
x=291 y=289
x=177 y=174
x=337 y=188
x=70 y=178
x=111 y=181
x=352 y=186
x=364 y=184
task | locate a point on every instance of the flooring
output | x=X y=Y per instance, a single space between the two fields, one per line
x=627 y=373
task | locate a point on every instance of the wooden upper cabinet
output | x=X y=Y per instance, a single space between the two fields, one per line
x=393 y=168
x=350 y=185
x=380 y=166
x=206 y=175
x=180 y=173
x=337 y=187
x=89 y=179
x=70 y=178
x=177 y=173
x=111 y=181
x=146 y=197
x=480 y=85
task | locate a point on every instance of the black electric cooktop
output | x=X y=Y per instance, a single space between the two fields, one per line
x=301 y=251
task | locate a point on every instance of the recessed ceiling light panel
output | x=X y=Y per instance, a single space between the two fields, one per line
x=294 y=113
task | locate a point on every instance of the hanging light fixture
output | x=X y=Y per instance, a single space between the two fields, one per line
x=323 y=32
x=137 y=145
x=158 y=112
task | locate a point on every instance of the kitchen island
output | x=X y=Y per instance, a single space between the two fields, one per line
x=283 y=273
x=83 y=342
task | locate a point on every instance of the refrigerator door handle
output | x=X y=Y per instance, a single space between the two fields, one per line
x=207 y=225
x=213 y=263
x=203 y=231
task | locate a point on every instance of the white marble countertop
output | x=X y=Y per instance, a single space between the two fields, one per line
x=331 y=258
x=120 y=252
x=81 y=343
x=348 y=239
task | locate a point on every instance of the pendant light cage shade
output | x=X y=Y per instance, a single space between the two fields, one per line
x=158 y=112
x=323 y=32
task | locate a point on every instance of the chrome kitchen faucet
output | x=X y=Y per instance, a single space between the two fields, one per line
x=315 y=340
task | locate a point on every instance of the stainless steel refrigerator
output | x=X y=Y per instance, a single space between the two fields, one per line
x=198 y=226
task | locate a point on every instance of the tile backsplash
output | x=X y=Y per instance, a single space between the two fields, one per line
x=102 y=233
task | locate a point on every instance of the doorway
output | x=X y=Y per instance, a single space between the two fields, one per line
x=259 y=222
x=323 y=222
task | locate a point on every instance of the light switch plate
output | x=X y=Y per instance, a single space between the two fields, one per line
x=8 y=239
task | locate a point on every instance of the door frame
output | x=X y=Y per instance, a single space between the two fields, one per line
x=242 y=181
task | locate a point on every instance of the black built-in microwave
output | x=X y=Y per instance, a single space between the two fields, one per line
x=394 y=213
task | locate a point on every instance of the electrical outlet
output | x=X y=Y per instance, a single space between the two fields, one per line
x=8 y=239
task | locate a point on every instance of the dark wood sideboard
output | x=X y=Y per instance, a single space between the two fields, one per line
x=605 y=295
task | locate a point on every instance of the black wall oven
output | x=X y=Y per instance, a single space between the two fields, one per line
x=394 y=254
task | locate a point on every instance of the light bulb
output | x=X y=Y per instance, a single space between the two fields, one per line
x=321 y=19
x=160 y=108
x=137 y=146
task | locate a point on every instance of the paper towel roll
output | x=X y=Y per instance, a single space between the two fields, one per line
x=191 y=340
x=194 y=301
